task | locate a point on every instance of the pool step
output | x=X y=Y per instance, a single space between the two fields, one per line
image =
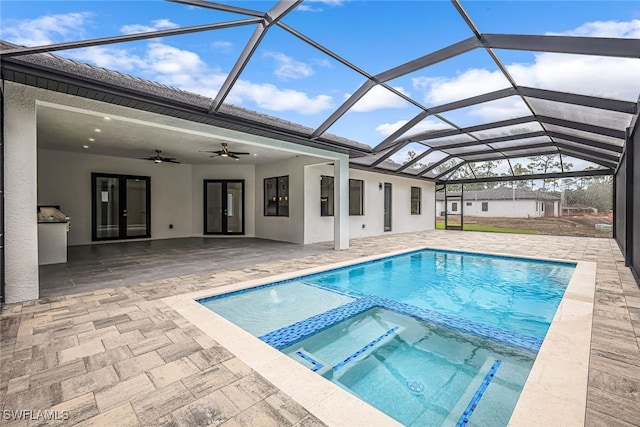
x=466 y=405
x=369 y=348
x=311 y=361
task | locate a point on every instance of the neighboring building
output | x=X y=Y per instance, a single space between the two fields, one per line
x=77 y=137
x=502 y=202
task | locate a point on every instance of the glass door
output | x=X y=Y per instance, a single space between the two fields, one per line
x=136 y=208
x=224 y=206
x=387 y=206
x=120 y=208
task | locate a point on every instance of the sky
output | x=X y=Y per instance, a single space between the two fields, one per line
x=292 y=80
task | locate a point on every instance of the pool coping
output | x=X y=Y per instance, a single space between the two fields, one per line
x=556 y=388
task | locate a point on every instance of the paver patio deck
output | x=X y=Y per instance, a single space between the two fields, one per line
x=115 y=354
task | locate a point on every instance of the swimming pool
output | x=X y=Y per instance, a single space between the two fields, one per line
x=412 y=289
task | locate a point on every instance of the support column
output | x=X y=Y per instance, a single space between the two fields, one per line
x=20 y=169
x=341 y=203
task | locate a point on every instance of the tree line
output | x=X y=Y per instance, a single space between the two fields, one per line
x=591 y=191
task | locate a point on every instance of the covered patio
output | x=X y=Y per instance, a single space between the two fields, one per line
x=121 y=353
x=93 y=267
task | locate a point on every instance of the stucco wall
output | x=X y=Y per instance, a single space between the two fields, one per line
x=64 y=179
x=289 y=228
x=319 y=228
x=500 y=208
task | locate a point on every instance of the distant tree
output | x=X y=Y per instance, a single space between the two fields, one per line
x=545 y=164
x=592 y=191
x=412 y=155
x=519 y=170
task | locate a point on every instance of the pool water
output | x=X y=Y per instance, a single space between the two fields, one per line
x=420 y=374
x=430 y=337
x=510 y=293
x=269 y=308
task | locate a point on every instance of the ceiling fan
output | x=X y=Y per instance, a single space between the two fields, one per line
x=159 y=159
x=226 y=153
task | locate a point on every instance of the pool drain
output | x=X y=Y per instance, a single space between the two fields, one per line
x=416 y=387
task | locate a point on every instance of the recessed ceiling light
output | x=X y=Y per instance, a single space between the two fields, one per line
x=254 y=154
x=98 y=130
x=91 y=139
x=85 y=146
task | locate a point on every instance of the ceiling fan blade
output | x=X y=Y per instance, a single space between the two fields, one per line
x=238 y=154
x=171 y=161
x=233 y=155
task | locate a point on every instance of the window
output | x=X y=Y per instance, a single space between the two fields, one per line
x=454 y=206
x=469 y=204
x=276 y=196
x=356 y=196
x=485 y=206
x=326 y=195
x=416 y=199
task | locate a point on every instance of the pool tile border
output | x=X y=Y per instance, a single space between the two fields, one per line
x=544 y=399
x=289 y=335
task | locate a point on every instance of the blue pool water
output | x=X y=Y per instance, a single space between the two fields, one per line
x=429 y=337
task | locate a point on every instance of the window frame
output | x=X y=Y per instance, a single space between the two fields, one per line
x=330 y=197
x=327 y=200
x=485 y=207
x=278 y=196
x=417 y=208
x=361 y=198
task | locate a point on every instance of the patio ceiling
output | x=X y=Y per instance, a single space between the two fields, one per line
x=550 y=122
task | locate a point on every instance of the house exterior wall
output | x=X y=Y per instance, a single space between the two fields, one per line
x=202 y=172
x=319 y=228
x=64 y=178
x=285 y=228
x=20 y=201
x=502 y=208
x=505 y=208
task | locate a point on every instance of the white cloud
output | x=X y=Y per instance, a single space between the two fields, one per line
x=45 y=29
x=165 y=59
x=322 y=62
x=108 y=57
x=308 y=8
x=185 y=70
x=500 y=109
x=289 y=68
x=472 y=82
x=628 y=29
x=387 y=129
x=158 y=24
x=159 y=62
x=378 y=98
x=222 y=46
x=588 y=75
x=272 y=98
x=582 y=74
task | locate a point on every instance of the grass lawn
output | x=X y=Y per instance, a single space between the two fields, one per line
x=488 y=228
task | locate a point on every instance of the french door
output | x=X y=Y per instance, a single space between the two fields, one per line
x=223 y=206
x=120 y=206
